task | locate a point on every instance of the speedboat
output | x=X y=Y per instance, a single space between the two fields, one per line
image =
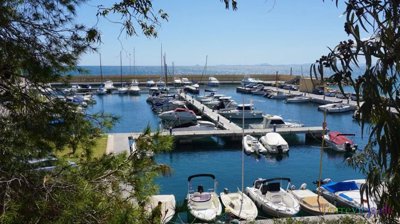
x=179 y=117
x=134 y=88
x=258 y=90
x=311 y=203
x=335 y=108
x=167 y=204
x=101 y=90
x=278 y=95
x=245 y=111
x=186 y=81
x=272 y=199
x=122 y=90
x=203 y=205
x=348 y=193
x=274 y=143
x=200 y=126
x=339 y=142
x=252 y=145
x=150 y=83
x=298 y=99
x=213 y=82
x=271 y=121
x=177 y=82
x=239 y=205
x=109 y=86
x=167 y=105
x=194 y=89
x=250 y=81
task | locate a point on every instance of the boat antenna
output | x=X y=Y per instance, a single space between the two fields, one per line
x=101 y=70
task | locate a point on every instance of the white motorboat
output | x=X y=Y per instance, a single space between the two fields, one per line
x=298 y=99
x=134 y=88
x=339 y=142
x=203 y=205
x=160 y=83
x=278 y=95
x=178 y=117
x=239 y=204
x=245 y=111
x=177 y=82
x=213 y=82
x=348 y=194
x=258 y=90
x=250 y=81
x=150 y=83
x=272 y=199
x=101 y=90
x=271 y=121
x=186 y=81
x=108 y=86
x=252 y=145
x=274 y=143
x=335 y=108
x=200 y=126
x=311 y=203
x=122 y=90
x=167 y=204
x=194 y=89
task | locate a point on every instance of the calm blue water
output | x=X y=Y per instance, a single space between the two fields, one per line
x=222 y=157
x=199 y=69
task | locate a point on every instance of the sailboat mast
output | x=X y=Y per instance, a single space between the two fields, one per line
x=165 y=69
x=120 y=65
x=101 y=70
x=242 y=146
x=161 y=64
x=134 y=72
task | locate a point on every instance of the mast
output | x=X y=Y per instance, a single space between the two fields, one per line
x=101 y=70
x=204 y=69
x=120 y=65
x=134 y=72
x=161 y=64
x=165 y=69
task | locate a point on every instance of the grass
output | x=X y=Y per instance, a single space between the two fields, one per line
x=98 y=150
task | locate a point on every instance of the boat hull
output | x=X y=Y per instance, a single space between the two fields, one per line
x=240 y=205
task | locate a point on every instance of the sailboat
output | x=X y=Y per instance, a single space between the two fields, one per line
x=123 y=89
x=102 y=89
x=238 y=203
x=134 y=86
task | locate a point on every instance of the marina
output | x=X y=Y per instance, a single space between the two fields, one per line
x=219 y=151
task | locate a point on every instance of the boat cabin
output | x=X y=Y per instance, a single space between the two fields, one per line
x=246 y=107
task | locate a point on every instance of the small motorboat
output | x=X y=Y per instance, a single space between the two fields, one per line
x=134 y=88
x=335 y=108
x=150 y=83
x=274 y=143
x=298 y=99
x=203 y=205
x=165 y=203
x=252 y=145
x=186 y=81
x=274 y=121
x=339 y=142
x=348 y=193
x=239 y=205
x=311 y=203
x=213 y=82
x=122 y=90
x=245 y=111
x=272 y=199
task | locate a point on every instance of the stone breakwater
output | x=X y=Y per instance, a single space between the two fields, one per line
x=232 y=78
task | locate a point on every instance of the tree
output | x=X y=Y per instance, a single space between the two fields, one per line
x=378 y=85
x=39 y=42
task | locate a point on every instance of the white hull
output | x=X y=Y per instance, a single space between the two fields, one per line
x=335 y=108
x=298 y=99
x=205 y=211
x=238 y=114
x=274 y=143
x=276 y=204
x=252 y=145
x=168 y=205
x=240 y=205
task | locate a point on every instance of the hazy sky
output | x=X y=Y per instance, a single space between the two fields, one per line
x=260 y=31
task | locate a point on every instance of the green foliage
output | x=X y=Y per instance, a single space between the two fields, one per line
x=379 y=88
x=39 y=42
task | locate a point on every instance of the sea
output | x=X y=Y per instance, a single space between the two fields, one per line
x=223 y=157
x=295 y=69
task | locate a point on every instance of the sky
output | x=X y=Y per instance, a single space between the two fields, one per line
x=276 y=32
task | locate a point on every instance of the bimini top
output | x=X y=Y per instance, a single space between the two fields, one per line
x=340 y=186
x=201 y=175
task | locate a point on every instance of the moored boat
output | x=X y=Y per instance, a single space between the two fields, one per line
x=239 y=205
x=203 y=205
x=311 y=203
x=336 y=108
x=166 y=205
x=339 y=142
x=272 y=199
x=245 y=111
x=274 y=143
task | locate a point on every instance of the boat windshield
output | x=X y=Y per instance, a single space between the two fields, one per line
x=277 y=121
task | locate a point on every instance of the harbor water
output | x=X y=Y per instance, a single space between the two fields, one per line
x=222 y=157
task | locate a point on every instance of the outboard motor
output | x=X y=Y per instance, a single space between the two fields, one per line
x=226 y=191
x=279 y=148
x=347 y=147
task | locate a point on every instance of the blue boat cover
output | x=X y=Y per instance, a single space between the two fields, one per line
x=345 y=197
x=340 y=186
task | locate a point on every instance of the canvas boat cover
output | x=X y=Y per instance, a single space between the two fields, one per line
x=339 y=139
x=340 y=186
